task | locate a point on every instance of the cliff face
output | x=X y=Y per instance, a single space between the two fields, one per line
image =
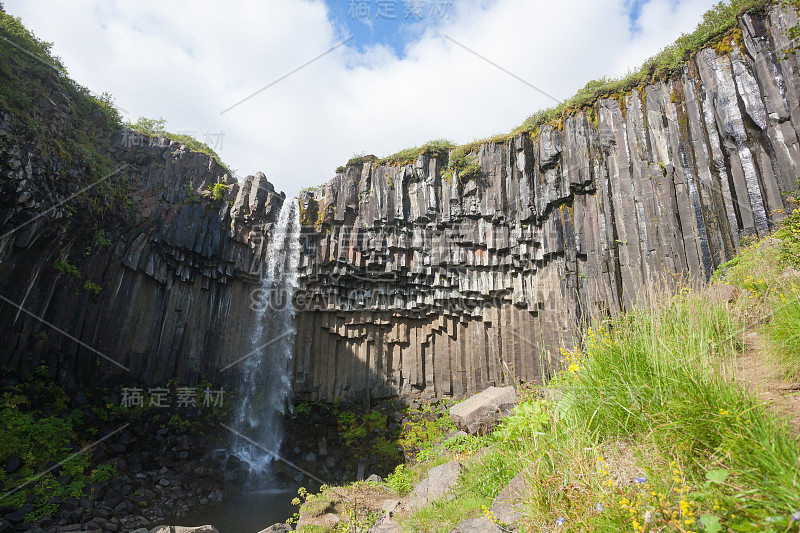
x=412 y=280
x=415 y=281
x=140 y=266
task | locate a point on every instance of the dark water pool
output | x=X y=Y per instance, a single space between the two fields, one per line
x=246 y=512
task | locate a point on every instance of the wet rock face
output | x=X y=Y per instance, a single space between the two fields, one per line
x=415 y=281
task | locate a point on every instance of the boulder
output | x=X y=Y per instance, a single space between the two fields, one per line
x=439 y=482
x=182 y=529
x=506 y=505
x=277 y=528
x=480 y=413
x=384 y=524
x=389 y=506
x=477 y=525
x=18 y=516
x=12 y=464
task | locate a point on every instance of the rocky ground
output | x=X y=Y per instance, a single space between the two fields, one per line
x=166 y=460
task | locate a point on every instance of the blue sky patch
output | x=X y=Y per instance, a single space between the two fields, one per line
x=634 y=8
x=392 y=23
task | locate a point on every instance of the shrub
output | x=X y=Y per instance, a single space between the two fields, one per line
x=783 y=331
x=103 y=473
x=360 y=159
x=94 y=288
x=65 y=267
x=464 y=163
x=399 y=480
x=438 y=148
x=157 y=127
x=218 y=191
x=789 y=233
x=150 y=126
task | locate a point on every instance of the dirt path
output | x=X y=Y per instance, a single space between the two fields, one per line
x=760 y=375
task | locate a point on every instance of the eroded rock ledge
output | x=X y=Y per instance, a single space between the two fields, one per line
x=415 y=281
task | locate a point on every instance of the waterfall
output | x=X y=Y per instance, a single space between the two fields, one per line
x=264 y=384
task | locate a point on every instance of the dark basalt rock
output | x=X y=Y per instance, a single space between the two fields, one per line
x=413 y=283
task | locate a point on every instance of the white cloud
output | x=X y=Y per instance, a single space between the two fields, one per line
x=189 y=60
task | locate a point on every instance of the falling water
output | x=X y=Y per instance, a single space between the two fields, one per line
x=264 y=377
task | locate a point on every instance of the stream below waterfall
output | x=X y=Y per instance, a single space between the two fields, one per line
x=245 y=512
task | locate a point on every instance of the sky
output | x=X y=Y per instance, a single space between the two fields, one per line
x=294 y=88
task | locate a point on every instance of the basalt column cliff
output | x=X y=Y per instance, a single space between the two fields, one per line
x=415 y=280
x=137 y=258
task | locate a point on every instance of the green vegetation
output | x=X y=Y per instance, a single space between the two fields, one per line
x=783 y=331
x=793 y=33
x=651 y=434
x=400 y=480
x=719 y=25
x=191 y=194
x=357 y=426
x=428 y=425
x=438 y=148
x=94 y=288
x=38 y=436
x=156 y=127
x=26 y=60
x=65 y=267
x=464 y=162
x=349 y=503
x=657 y=429
x=63 y=118
x=789 y=232
x=102 y=240
x=360 y=159
x=152 y=127
x=103 y=473
x=40 y=428
x=218 y=191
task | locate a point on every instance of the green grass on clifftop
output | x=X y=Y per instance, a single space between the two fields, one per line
x=157 y=128
x=718 y=27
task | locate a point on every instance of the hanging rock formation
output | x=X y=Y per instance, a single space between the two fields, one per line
x=416 y=281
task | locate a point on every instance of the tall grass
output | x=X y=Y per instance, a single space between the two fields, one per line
x=658 y=382
x=653 y=433
x=783 y=332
